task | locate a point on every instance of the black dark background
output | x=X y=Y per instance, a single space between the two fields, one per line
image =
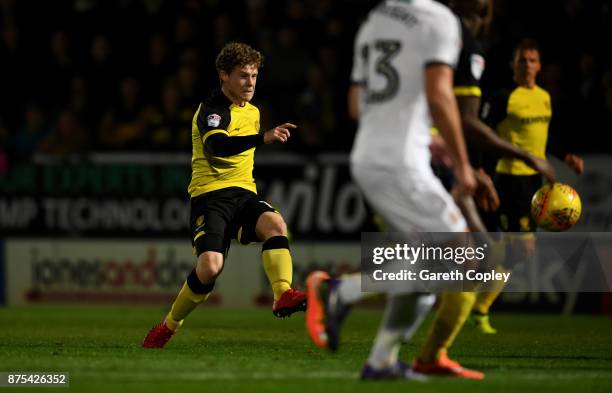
x=59 y=99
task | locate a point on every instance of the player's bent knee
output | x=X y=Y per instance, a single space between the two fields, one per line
x=210 y=265
x=270 y=224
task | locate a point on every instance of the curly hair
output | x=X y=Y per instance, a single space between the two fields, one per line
x=237 y=54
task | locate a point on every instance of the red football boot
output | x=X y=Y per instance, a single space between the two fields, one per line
x=158 y=336
x=290 y=301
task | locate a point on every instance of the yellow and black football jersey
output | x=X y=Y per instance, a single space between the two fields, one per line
x=522 y=117
x=218 y=117
x=466 y=83
x=470 y=67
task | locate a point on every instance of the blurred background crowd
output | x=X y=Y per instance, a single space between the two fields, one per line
x=126 y=75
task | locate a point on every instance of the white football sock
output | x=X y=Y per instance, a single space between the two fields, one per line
x=403 y=316
x=349 y=289
x=386 y=348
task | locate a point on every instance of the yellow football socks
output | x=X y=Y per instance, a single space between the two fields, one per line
x=452 y=313
x=185 y=303
x=488 y=293
x=277 y=264
x=484 y=300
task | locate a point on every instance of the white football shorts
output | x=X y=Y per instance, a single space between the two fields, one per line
x=408 y=200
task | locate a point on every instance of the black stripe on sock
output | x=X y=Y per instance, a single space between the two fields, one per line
x=275 y=243
x=194 y=283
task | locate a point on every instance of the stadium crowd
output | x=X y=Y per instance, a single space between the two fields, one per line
x=91 y=75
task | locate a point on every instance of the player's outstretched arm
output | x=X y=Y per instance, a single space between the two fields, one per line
x=279 y=133
x=486 y=140
x=542 y=166
x=222 y=145
x=445 y=115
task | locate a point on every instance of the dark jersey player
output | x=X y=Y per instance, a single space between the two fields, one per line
x=224 y=200
x=522 y=117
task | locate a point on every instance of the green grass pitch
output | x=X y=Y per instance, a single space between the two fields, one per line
x=251 y=351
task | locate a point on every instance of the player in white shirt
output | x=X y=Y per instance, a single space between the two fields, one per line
x=402 y=80
x=399 y=44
